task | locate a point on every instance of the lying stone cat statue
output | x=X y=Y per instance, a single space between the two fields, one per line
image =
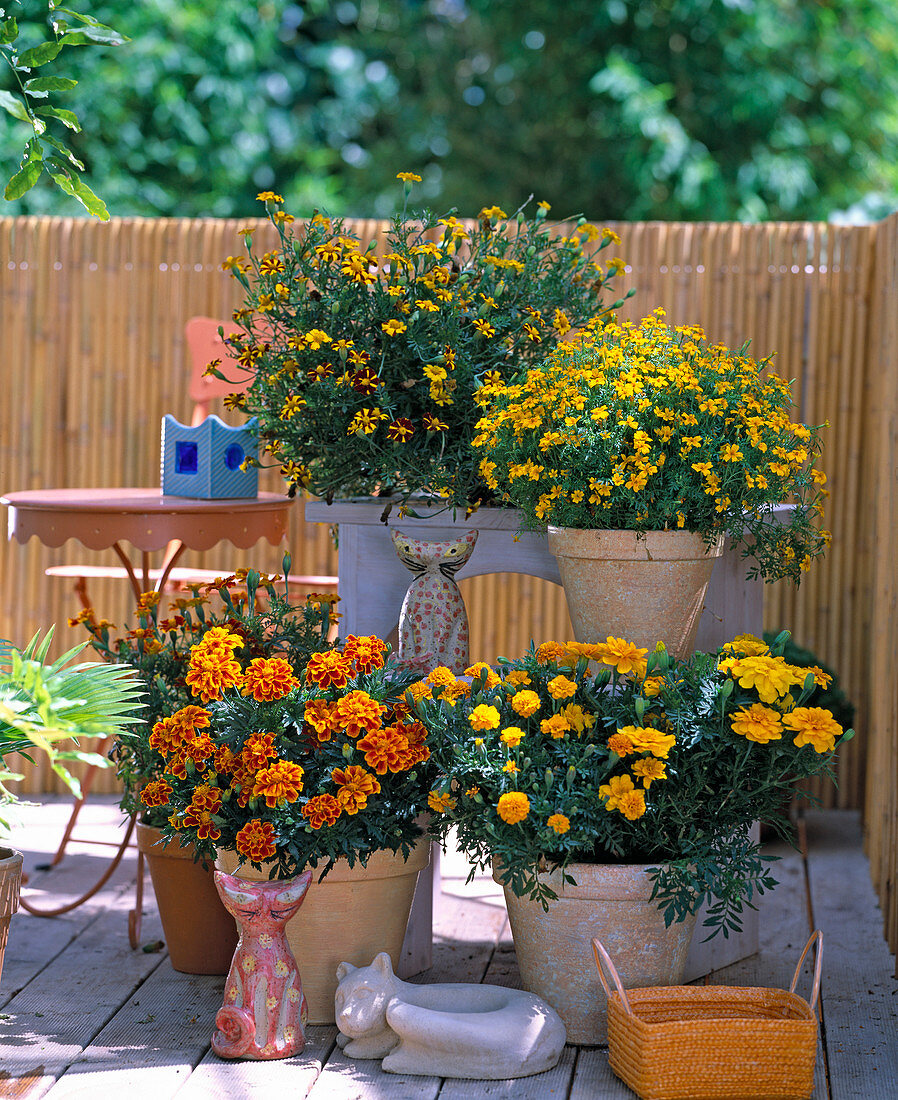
x=485 y=1032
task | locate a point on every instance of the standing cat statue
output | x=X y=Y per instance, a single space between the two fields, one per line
x=433 y=623
x=482 y=1032
x=264 y=1011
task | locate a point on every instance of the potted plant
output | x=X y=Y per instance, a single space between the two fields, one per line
x=41 y=705
x=365 y=368
x=612 y=805
x=200 y=934
x=319 y=766
x=641 y=447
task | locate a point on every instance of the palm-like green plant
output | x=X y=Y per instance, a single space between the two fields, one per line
x=43 y=705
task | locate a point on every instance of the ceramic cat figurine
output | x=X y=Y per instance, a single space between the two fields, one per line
x=264 y=1011
x=433 y=624
x=485 y=1032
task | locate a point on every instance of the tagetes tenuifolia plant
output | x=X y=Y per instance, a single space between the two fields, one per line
x=649 y=761
x=296 y=767
x=249 y=605
x=365 y=367
x=647 y=427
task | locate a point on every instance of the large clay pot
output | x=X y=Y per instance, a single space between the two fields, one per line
x=353 y=915
x=10 y=883
x=200 y=934
x=644 y=589
x=554 y=949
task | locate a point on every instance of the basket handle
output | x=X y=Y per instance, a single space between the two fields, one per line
x=816 y=939
x=602 y=956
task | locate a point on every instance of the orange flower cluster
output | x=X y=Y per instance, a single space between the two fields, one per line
x=205 y=802
x=354 y=785
x=268 y=678
x=280 y=783
x=323 y=809
x=366 y=652
x=395 y=748
x=213 y=667
x=180 y=739
x=256 y=841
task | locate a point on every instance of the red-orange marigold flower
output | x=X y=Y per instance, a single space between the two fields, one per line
x=354 y=785
x=385 y=750
x=256 y=841
x=328 y=669
x=211 y=673
x=156 y=793
x=357 y=713
x=323 y=809
x=366 y=652
x=282 y=782
x=191 y=718
x=257 y=750
x=268 y=679
x=321 y=716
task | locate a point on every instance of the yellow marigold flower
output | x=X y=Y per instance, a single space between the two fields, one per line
x=632 y=804
x=821 y=679
x=558 y=823
x=551 y=651
x=647 y=739
x=513 y=806
x=483 y=327
x=770 y=677
x=394 y=327
x=649 y=769
x=484 y=717
x=758 y=723
x=441 y=676
x=365 y=421
x=512 y=736
x=746 y=645
x=560 y=687
x=525 y=703
x=517 y=677
x=730 y=453
x=620 y=744
x=652 y=686
x=556 y=726
x=419 y=691
x=489 y=212
x=813 y=726
x=440 y=802
x=616 y=787
x=624 y=656
x=481 y=670
x=577 y=718
x=408 y=177
x=269 y=196
x=510 y=766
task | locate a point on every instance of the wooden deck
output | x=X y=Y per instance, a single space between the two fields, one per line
x=81 y=1015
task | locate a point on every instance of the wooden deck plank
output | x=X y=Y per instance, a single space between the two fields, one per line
x=553 y=1083
x=593 y=1079
x=345 y=1078
x=860 y=997
x=214 y=1078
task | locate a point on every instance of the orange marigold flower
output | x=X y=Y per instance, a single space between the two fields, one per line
x=440 y=802
x=167 y=736
x=513 y=806
x=624 y=656
x=560 y=687
x=224 y=760
x=550 y=651
x=280 y=783
x=321 y=716
x=219 y=638
x=558 y=823
x=205 y=797
x=156 y=793
x=366 y=652
x=556 y=726
x=257 y=750
x=268 y=678
x=328 y=669
x=758 y=723
x=357 y=713
x=256 y=841
x=620 y=744
x=525 y=703
x=482 y=671
x=321 y=810
x=212 y=672
x=385 y=750
x=354 y=785
x=191 y=718
x=813 y=726
x=484 y=717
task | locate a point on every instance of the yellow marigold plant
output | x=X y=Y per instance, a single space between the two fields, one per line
x=647 y=760
x=293 y=765
x=649 y=427
x=365 y=363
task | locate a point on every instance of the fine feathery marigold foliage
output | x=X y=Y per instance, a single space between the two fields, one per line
x=241 y=632
x=648 y=760
x=299 y=765
x=647 y=428
x=365 y=367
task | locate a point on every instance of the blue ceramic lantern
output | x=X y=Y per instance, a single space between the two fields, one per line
x=207 y=461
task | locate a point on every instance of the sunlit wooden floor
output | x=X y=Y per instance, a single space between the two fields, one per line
x=82 y=1015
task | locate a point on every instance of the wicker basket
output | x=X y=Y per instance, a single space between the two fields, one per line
x=713 y=1042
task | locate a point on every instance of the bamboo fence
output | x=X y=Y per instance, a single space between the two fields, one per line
x=92 y=318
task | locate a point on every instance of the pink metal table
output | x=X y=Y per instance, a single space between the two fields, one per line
x=149 y=521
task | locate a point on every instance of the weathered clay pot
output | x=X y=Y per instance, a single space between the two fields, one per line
x=199 y=932
x=353 y=915
x=554 y=948
x=646 y=589
x=10 y=883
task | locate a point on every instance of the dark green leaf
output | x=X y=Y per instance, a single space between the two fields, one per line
x=90 y=34
x=49 y=84
x=88 y=21
x=40 y=55
x=67 y=118
x=23 y=180
x=66 y=153
x=9 y=30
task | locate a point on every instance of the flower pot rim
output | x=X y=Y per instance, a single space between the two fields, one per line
x=10 y=855
x=619 y=881
x=628 y=544
x=382 y=863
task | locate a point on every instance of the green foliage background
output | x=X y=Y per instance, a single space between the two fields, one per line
x=624 y=109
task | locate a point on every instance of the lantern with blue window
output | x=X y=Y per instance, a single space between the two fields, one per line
x=211 y=461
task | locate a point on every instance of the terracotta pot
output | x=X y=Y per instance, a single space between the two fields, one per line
x=353 y=915
x=201 y=935
x=554 y=948
x=10 y=882
x=645 y=590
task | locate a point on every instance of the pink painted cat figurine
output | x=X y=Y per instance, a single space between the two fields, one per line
x=433 y=624
x=264 y=1011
